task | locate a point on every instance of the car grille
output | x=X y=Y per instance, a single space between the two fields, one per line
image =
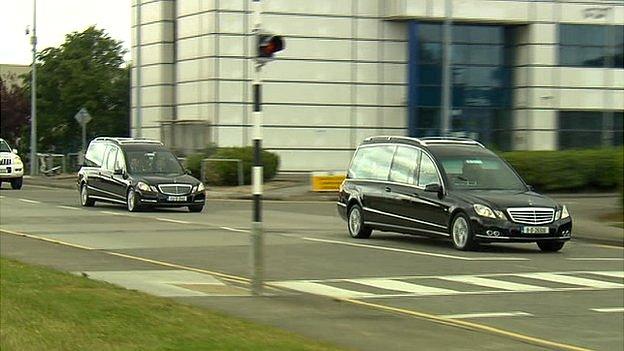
x=175 y=189
x=5 y=161
x=531 y=215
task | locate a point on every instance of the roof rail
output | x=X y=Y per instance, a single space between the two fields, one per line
x=126 y=140
x=450 y=140
x=389 y=137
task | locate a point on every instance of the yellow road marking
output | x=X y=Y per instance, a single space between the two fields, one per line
x=429 y=317
x=469 y=325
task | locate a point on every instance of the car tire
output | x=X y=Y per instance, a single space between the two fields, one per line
x=462 y=234
x=132 y=201
x=196 y=208
x=85 y=200
x=16 y=183
x=550 y=246
x=355 y=223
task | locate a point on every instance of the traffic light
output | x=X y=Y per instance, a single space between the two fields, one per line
x=268 y=44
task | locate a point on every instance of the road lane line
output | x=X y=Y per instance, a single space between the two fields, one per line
x=320 y=289
x=487 y=315
x=608 y=310
x=470 y=326
x=389 y=284
x=566 y=279
x=440 y=320
x=235 y=230
x=614 y=274
x=30 y=201
x=493 y=283
x=595 y=259
x=69 y=207
x=608 y=246
x=171 y=220
x=414 y=252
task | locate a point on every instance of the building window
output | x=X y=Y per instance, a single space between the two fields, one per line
x=584 y=45
x=585 y=129
x=481 y=81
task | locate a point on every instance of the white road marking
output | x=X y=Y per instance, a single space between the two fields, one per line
x=487 y=315
x=595 y=259
x=319 y=289
x=609 y=274
x=171 y=220
x=69 y=207
x=235 y=230
x=493 y=283
x=389 y=284
x=114 y=213
x=414 y=252
x=608 y=310
x=566 y=279
x=30 y=201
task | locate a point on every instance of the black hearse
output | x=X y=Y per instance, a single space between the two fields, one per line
x=138 y=173
x=449 y=187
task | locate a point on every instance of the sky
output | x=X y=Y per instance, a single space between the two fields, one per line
x=55 y=19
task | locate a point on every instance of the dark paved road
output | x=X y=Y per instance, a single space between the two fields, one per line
x=391 y=291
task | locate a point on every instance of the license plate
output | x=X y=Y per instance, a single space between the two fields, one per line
x=535 y=230
x=176 y=198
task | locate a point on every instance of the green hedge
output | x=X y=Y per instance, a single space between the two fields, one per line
x=569 y=170
x=226 y=173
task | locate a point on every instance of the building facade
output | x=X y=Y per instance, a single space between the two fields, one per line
x=526 y=75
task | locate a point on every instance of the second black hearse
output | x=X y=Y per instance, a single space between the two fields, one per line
x=449 y=187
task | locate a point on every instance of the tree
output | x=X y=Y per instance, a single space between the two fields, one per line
x=87 y=70
x=14 y=110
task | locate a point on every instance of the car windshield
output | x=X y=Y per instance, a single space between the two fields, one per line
x=4 y=147
x=153 y=162
x=480 y=172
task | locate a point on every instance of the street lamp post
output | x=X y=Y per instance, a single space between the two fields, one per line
x=33 y=98
x=446 y=69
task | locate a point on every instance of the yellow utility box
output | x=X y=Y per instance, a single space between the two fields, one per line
x=327 y=181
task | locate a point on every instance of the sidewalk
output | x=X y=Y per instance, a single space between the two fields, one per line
x=585 y=208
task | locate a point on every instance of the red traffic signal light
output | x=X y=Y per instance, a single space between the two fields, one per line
x=268 y=44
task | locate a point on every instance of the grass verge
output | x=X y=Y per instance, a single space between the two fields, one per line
x=43 y=309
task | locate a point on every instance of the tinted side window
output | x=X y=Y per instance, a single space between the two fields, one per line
x=404 y=164
x=372 y=162
x=427 y=174
x=95 y=154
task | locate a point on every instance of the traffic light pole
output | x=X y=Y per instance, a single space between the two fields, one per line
x=257 y=239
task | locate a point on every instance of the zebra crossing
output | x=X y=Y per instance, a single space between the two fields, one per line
x=449 y=285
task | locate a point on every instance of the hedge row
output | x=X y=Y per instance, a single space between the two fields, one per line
x=226 y=173
x=570 y=170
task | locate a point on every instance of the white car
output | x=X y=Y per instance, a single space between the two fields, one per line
x=11 y=166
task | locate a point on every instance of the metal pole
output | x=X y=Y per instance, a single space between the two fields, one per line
x=607 y=113
x=33 y=98
x=241 y=179
x=257 y=247
x=139 y=112
x=84 y=138
x=446 y=69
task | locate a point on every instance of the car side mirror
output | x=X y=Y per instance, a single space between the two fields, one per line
x=186 y=171
x=530 y=187
x=433 y=188
x=118 y=171
x=14 y=151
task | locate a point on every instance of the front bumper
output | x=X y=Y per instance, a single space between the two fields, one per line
x=161 y=200
x=11 y=171
x=497 y=230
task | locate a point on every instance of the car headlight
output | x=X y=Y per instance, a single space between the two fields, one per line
x=564 y=212
x=201 y=187
x=142 y=186
x=485 y=211
x=18 y=161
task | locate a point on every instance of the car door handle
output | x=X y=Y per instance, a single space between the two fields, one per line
x=388 y=190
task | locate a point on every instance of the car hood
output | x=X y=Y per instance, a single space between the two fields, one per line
x=502 y=199
x=156 y=180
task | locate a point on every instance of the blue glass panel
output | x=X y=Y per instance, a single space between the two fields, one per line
x=430 y=32
x=430 y=74
x=430 y=52
x=429 y=96
x=486 y=55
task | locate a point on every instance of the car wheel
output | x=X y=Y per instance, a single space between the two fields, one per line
x=355 y=223
x=16 y=183
x=132 y=201
x=550 y=246
x=85 y=200
x=196 y=208
x=461 y=233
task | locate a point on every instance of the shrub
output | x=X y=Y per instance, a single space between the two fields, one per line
x=569 y=170
x=193 y=161
x=226 y=173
